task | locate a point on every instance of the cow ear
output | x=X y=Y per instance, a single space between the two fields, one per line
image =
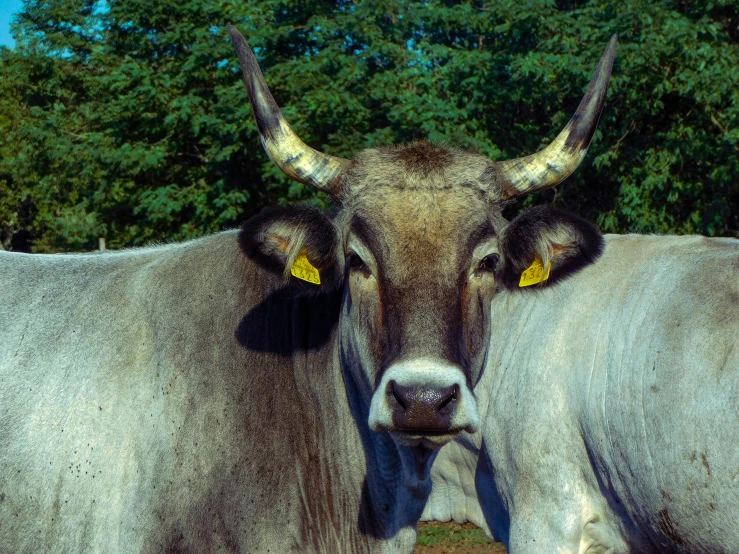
x=547 y=234
x=298 y=242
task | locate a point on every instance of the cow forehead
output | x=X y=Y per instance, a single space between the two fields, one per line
x=420 y=166
x=419 y=206
x=406 y=220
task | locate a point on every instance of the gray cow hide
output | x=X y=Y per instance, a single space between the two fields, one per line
x=175 y=399
x=609 y=408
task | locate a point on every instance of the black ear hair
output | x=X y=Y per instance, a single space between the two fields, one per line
x=553 y=235
x=276 y=237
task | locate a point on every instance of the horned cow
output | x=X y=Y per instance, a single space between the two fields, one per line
x=201 y=397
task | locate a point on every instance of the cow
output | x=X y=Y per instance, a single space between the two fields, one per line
x=609 y=408
x=280 y=388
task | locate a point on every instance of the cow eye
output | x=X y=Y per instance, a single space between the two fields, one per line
x=355 y=262
x=489 y=263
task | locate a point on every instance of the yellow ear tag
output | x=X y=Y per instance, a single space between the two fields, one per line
x=535 y=273
x=302 y=269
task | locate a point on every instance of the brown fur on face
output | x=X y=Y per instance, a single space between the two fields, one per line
x=419 y=210
x=423 y=217
x=422 y=166
x=422 y=157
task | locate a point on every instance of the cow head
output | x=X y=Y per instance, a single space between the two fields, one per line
x=420 y=247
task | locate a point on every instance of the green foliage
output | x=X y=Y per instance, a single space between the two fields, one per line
x=127 y=119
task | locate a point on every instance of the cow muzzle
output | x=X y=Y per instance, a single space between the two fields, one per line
x=423 y=402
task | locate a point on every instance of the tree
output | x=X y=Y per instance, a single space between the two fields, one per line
x=127 y=119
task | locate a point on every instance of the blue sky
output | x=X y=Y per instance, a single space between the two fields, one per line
x=7 y=9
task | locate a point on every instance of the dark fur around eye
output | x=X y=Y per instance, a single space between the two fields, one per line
x=355 y=262
x=489 y=263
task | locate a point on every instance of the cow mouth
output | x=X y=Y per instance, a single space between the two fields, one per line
x=427 y=432
x=429 y=438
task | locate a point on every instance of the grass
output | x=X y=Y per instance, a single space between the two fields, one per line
x=453 y=538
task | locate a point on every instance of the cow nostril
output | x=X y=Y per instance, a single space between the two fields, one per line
x=451 y=398
x=399 y=400
x=395 y=394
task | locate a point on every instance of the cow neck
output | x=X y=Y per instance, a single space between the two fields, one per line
x=355 y=489
x=397 y=478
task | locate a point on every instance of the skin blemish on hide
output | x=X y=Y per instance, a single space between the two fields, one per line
x=704 y=461
x=668 y=528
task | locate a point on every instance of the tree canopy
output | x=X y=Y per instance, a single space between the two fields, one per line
x=127 y=119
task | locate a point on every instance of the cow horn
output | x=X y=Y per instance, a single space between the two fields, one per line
x=295 y=158
x=557 y=161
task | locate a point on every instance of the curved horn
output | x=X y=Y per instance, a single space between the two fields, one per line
x=557 y=161
x=295 y=158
